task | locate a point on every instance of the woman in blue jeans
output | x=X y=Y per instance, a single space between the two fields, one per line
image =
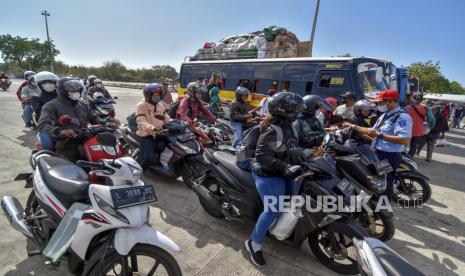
x=273 y=170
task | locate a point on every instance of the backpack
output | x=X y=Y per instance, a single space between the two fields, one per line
x=249 y=139
x=132 y=122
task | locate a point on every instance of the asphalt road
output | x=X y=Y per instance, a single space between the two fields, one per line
x=432 y=237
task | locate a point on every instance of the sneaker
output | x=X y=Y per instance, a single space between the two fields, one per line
x=256 y=257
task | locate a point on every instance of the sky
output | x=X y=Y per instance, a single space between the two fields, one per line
x=142 y=33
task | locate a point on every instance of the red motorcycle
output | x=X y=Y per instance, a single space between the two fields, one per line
x=216 y=136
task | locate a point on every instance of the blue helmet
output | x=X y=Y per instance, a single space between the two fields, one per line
x=153 y=89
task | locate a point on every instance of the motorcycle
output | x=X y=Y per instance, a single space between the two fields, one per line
x=181 y=156
x=411 y=187
x=5 y=84
x=217 y=136
x=101 y=228
x=102 y=107
x=226 y=191
x=375 y=258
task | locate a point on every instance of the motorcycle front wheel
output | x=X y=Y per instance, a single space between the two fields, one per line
x=411 y=191
x=378 y=226
x=143 y=259
x=342 y=259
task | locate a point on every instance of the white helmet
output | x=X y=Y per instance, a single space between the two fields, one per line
x=45 y=76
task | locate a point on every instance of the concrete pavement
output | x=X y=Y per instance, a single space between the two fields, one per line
x=432 y=237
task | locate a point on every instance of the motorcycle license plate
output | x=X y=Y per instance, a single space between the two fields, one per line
x=383 y=167
x=126 y=197
x=345 y=186
x=184 y=137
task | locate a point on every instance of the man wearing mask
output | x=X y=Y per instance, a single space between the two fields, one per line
x=391 y=132
x=239 y=116
x=29 y=93
x=345 y=110
x=67 y=103
x=26 y=75
x=98 y=87
x=191 y=107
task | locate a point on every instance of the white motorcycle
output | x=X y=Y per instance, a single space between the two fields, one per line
x=103 y=229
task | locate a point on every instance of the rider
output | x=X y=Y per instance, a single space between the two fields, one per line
x=311 y=131
x=90 y=79
x=190 y=107
x=273 y=168
x=239 y=111
x=147 y=112
x=362 y=110
x=67 y=103
x=26 y=75
x=28 y=94
x=98 y=87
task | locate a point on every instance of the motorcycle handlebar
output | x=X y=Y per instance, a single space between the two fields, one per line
x=93 y=165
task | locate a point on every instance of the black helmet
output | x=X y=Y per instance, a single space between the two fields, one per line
x=67 y=84
x=313 y=102
x=27 y=74
x=285 y=104
x=91 y=79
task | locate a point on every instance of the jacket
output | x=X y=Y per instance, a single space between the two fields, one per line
x=38 y=103
x=190 y=109
x=145 y=117
x=239 y=111
x=311 y=132
x=418 y=118
x=102 y=90
x=271 y=159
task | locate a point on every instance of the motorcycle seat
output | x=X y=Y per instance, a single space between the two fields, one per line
x=68 y=182
x=393 y=264
x=228 y=161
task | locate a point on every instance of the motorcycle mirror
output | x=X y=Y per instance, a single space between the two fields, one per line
x=107 y=139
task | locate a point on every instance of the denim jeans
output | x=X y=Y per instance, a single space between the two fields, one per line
x=148 y=149
x=46 y=141
x=269 y=186
x=27 y=114
x=237 y=130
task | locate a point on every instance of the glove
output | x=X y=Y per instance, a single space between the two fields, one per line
x=293 y=171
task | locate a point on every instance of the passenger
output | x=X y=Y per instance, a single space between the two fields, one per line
x=264 y=103
x=363 y=111
x=214 y=100
x=328 y=115
x=311 y=131
x=273 y=169
x=26 y=75
x=345 y=110
x=167 y=99
x=67 y=103
x=149 y=114
x=90 y=80
x=29 y=93
x=391 y=133
x=239 y=114
x=98 y=87
x=191 y=107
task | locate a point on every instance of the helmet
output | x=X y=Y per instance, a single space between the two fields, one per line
x=68 y=84
x=193 y=89
x=153 y=89
x=361 y=105
x=98 y=96
x=313 y=102
x=242 y=91
x=285 y=104
x=30 y=80
x=27 y=74
x=97 y=81
x=45 y=76
x=91 y=79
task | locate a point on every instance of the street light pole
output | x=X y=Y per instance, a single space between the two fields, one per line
x=46 y=14
x=315 y=18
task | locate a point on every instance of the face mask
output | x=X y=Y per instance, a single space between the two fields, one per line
x=49 y=87
x=155 y=98
x=99 y=85
x=74 y=96
x=382 y=108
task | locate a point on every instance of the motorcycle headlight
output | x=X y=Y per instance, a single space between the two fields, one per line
x=136 y=172
x=410 y=162
x=107 y=208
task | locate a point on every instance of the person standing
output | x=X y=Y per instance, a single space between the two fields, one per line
x=391 y=133
x=457 y=114
x=345 y=110
x=419 y=114
x=264 y=103
x=239 y=110
x=273 y=169
x=434 y=133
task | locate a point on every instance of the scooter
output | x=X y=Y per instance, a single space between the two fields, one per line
x=226 y=191
x=5 y=84
x=101 y=228
x=182 y=155
x=102 y=107
x=375 y=258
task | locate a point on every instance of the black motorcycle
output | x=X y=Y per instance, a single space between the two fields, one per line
x=181 y=154
x=226 y=191
x=102 y=107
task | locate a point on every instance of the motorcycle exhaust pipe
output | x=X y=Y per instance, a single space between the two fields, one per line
x=14 y=212
x=204 y=193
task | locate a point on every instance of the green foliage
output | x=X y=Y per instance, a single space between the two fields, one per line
x=27 y=53
x=432 y=80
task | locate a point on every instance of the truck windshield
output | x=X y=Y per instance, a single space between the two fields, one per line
x=371 y=78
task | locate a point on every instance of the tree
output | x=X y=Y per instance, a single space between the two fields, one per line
x=27 y=53
x=112 y=70
x=432 y=79
x=456 y=88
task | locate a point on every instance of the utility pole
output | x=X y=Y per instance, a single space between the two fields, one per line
x=46 y=14
x=315 y=18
